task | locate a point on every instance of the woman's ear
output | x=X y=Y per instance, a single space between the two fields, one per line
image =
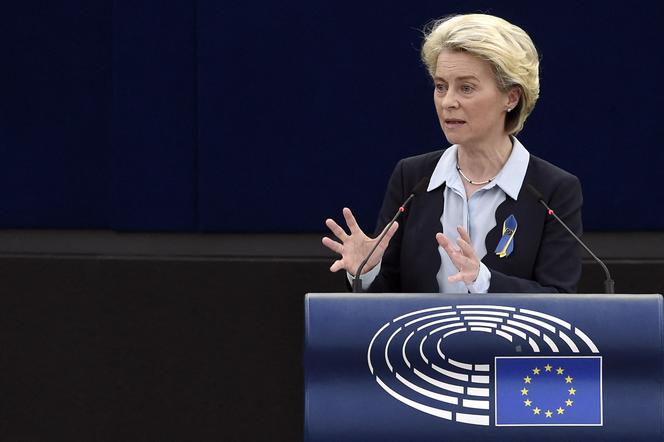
x=513 y=97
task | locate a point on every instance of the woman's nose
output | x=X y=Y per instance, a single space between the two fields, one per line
x=449 y=100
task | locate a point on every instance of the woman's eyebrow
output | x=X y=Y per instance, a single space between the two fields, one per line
x=463 y=77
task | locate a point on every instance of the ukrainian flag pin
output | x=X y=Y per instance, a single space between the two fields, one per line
x=506 y=243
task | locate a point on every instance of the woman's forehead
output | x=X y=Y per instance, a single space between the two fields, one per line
x=457 y=64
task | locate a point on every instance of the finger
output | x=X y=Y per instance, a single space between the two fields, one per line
x=459 y=261
x=332 y=245
x=446 y=244
x=464 y=234
x=471 y=263
x=467 y=249
x=336 y=229
x=455 y=278
x=442 y=239
x=457 y=258
x=337 y=265
x=390 y=233
x=351 y=221
x=466 y=276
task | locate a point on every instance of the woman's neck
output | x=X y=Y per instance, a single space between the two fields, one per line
x=484 y=162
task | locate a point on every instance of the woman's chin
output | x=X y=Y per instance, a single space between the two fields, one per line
x=451 y=137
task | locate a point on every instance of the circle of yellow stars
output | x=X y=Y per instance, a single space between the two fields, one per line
x=527 y=381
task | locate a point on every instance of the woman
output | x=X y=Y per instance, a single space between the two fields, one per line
x=476 y=228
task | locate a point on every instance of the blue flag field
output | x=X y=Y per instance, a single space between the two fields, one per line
x=552 y=391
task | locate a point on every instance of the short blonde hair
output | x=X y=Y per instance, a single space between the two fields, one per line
x=507 y=47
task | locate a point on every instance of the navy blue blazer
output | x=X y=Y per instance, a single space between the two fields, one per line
x=545 y=258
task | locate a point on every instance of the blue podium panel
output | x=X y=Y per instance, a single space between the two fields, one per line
x=406 y=367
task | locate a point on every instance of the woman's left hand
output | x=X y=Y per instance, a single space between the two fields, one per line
x=463 y=257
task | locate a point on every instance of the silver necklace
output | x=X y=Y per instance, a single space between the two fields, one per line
x=477 y=183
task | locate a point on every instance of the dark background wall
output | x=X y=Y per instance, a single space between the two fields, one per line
x=270 y=116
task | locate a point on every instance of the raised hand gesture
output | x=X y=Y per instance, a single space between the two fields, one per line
x=463 y=256
x=354 y=247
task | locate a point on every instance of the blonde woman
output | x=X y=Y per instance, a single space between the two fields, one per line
x=476 y=228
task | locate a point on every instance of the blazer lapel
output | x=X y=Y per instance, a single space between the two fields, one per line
x=426 y=223
x=491 y=260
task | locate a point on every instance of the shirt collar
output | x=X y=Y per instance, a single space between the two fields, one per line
x=445 y=171
x=509 y=179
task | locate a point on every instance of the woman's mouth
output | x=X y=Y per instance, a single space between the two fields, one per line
x=454 y=123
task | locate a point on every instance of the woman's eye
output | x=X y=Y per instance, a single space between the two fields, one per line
x=441 y=87
x=466 y=88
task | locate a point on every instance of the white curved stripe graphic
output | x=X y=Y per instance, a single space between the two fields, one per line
x=403 y=349
x=493 y=307
x=514 y=331
x=424 y=318
x=482 y=367
x=440 y=384
x=568 y=341
x=445 y=327
x=534 y=345
x=504 y=335
x=445 y=414
x=387 y=346
x=480 y=312
x=542 y=324
x=482 y=324
x=437 y=396
x=476 y=391
x=450 y=374
x=440 y=348
x=460 y=364
x=552 y=345
x=475 y=419
x=483 y=318
x=479 y=379
x=458 y=330
x=480 y=405
x=586 y=339
x=532 y=330
x=558 y=321
x=440 y=321
x=481 y=329
x=424 y=358
x=432 y=309
x=371 y=345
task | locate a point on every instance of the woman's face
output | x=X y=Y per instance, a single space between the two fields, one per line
x=470 y=108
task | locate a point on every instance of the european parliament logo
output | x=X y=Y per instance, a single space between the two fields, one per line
x=556 y=382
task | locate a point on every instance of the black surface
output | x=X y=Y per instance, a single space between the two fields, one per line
x=109 y=350
x=144 y=348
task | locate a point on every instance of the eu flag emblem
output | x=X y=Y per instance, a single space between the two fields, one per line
x=533 y=391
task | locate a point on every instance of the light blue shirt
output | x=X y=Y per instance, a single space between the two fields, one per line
x=476 y=215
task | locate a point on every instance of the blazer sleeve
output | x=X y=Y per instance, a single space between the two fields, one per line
x=557 y=267
x=389 y=279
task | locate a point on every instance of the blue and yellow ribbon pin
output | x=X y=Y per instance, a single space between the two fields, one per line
x=506 y=243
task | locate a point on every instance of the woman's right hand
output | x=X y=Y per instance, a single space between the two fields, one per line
x=355 y=247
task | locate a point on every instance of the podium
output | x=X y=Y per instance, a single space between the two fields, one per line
x=490 y=367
